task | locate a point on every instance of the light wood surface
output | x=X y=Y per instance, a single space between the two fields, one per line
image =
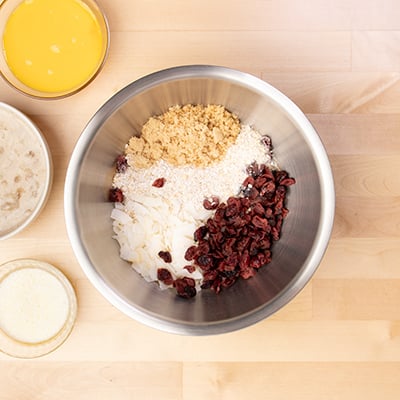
x=340 y=337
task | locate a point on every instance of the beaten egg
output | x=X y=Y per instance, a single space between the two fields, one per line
x=54 y=46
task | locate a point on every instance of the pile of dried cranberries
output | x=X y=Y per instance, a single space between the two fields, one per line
x=236 y=241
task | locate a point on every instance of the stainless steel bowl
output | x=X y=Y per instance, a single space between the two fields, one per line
x=306 y=230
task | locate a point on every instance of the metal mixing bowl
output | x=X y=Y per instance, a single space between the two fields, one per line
x=305 y=233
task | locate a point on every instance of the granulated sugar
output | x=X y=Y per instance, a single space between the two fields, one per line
x=153 y=219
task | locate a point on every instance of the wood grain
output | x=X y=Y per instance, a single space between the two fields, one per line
x=339 y=61
x=355 y=134
x=303 y=381
x=353 y=299
x=92 y=380
x=361 y=258
x=340 y=92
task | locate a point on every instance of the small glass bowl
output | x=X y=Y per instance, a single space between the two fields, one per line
x=24 y=126
x=6 y=9
x=32 y=349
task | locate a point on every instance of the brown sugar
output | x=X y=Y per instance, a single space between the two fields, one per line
x=191 y=134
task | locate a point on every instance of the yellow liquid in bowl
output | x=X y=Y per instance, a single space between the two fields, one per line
x=53 y=46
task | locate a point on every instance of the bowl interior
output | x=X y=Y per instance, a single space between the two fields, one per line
x=295 y=256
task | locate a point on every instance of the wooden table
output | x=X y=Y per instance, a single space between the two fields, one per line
x=340 y=337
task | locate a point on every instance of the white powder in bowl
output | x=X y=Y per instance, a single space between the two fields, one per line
x=34 y=305
x=23 y=170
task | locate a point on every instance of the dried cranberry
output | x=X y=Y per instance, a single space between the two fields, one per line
x=219 y=215
x=253 y=169
x=264 y=244
x=203 y=248
x=268 y=174
x=249 y=181
x=207 y=283
x=210 y=275
x=227 y=247
x=236 y=241
x=275 y=233
x=232 y=261
x=159 y=182
x=245 y=203
x=253 y=193
x=243 y=243
x=165 y=256
x=212 y=226
x=165 y=276
x=211 y=203
x=205 y=261
x=255 y=262
x=233 y=207
x=287 y=181
x=121 y=163
x=279 y=207
x=283 y=179
x=191 y=253
x=229 y=273
x=259 y=222
x=264 y=257
x=253 y=248
x=258 y=209
x=260 y=182
x=216 y=285
x=262 y=168
x=247 y=273
x=116 y=195
x=267 y=142
x=239 y=222
x=267 y=188
x=244 y=260
x=185 y=287
x=190 y=268
x=228 y=281
x=200 y=233
x=269 y=212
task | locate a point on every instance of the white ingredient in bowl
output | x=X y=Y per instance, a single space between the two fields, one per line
x=34 y=305
x=164 y=219
x=22 y=171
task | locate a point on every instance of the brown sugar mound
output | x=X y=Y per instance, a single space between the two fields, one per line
x=191 y=134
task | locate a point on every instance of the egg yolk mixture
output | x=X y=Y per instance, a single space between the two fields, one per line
x=53 y=46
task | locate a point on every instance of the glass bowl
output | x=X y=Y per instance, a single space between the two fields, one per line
x=47 y=65
x=37 y=308
x=26 y=171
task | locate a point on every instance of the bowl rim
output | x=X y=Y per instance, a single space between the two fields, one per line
x=48 y=165
x=323 y=168
x=37 y=94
